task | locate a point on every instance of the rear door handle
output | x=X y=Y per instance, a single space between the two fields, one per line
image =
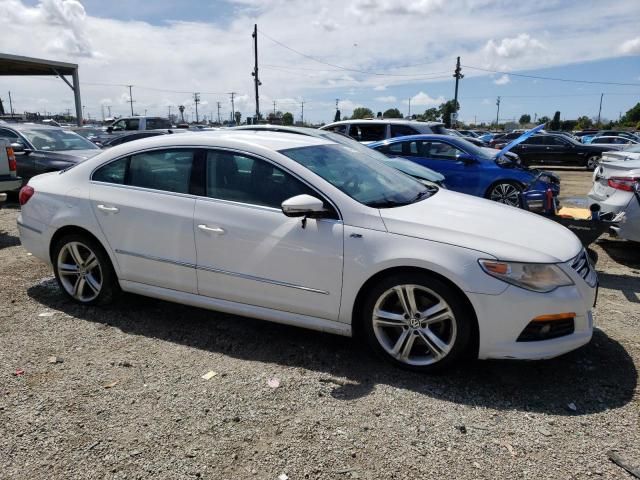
x=206 y=228
x=104 y=208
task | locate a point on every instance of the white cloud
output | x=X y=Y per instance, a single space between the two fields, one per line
x=176 y=58
x=503 y=80
x=423 y=99
x=514 y=47
x=631 y=47
x=387 y=99
x=485 y=101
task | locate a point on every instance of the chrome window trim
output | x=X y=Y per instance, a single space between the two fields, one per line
x=189 y=195
x=221 y=271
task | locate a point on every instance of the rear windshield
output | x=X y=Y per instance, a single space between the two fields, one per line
x=54 y=140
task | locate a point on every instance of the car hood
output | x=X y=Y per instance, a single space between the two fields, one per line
x=504 y=232
x=74 y=156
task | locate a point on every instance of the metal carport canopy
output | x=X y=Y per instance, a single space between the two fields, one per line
x=15 y=65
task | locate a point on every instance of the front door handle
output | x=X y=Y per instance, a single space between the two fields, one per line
x=206 y=228
x=104 y=208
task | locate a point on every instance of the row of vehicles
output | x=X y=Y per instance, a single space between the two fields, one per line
x=311 y=228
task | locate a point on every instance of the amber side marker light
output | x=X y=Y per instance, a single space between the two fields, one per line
x=555 y=316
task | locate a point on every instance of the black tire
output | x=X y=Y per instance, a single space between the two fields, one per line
x=502 y=192
x=104 y=274
x=592 y=162
x=460 y=342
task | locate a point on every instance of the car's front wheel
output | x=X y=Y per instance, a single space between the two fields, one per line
x=592 y=162
x=506 y=192
x=417 y=322
x=83 y=270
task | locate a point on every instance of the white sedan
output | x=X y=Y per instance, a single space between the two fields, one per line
x=309 y=232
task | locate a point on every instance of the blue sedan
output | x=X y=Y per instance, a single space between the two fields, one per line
x=474 y=170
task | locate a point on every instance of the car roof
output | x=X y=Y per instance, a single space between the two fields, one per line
x=275 y=141
x=398 y=121
x=31 y=126
x=421 y=136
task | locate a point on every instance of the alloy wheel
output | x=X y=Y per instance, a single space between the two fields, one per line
x=506 y=193
x=593 y=162
x=414 y=325
x=80 y=271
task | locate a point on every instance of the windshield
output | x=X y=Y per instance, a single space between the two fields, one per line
x=57 y=140
x=371 y=183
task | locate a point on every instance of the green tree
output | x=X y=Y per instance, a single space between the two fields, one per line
x=632 y=116
x=287 y=118
x=336 y=118
x=238 y=117
x=555 y=123
x=584 y=122
x=446 y=109
x=392 y=113
x=361 y=112
x=526 y=118
x=544 y=119
x=431 y=115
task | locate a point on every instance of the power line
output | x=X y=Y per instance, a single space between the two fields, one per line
x=553 y=78
x=333 y=64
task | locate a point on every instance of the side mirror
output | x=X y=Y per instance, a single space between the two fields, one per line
x=303 y=206
x=18 y=147
x=466 y=158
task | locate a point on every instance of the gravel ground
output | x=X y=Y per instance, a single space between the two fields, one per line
x=125 y=397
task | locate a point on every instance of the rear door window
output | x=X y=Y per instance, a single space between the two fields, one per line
x=338 y=129
x=165 y=170
x=368 y=132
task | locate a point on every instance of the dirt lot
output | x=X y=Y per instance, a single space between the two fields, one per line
x=128 y=400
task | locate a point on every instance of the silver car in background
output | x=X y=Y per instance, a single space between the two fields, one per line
x=616 y=188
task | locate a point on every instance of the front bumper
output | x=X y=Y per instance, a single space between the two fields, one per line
x=502 y=318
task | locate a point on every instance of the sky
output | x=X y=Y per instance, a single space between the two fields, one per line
x=375 y=53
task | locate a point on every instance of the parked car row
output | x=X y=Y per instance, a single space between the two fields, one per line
x=236 y=221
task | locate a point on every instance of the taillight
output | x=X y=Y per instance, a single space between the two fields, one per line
x=25 y=194
x=622 y=183
x=12 y=160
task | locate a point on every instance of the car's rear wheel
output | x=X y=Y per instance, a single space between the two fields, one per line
x=83 y=270
x=417 y=322
x=592 y=162
x=509 y=193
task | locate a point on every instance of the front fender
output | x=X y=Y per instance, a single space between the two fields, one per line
x=368 y=253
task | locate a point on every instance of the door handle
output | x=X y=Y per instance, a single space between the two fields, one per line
x=218 y=230
x=104 y=208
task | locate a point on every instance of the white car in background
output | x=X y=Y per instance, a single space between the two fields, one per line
x=9 y=181
x=311 y=232
x=628 y=153
x=369 y=130
x=616 y=189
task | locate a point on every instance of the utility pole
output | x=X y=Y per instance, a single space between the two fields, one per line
x=83 y=107
x=169 y=116
x=600 y=109
x=233 y=108
x=10 y=104
x=181 y=109
x=458 y=76
x=498 y=112
x=102 y=111
x=256 y=80
x=409 y=107
x=131 y=99
x=302 y=114
x=274 y=109
x=196 y=99
x=219 y=122
x=109 y=109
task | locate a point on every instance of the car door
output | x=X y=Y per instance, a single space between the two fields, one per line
x=445 y=158
x=530 y=151
x=249 y=252
x=145 y=210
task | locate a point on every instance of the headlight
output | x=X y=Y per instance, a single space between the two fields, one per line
x=538 y=277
